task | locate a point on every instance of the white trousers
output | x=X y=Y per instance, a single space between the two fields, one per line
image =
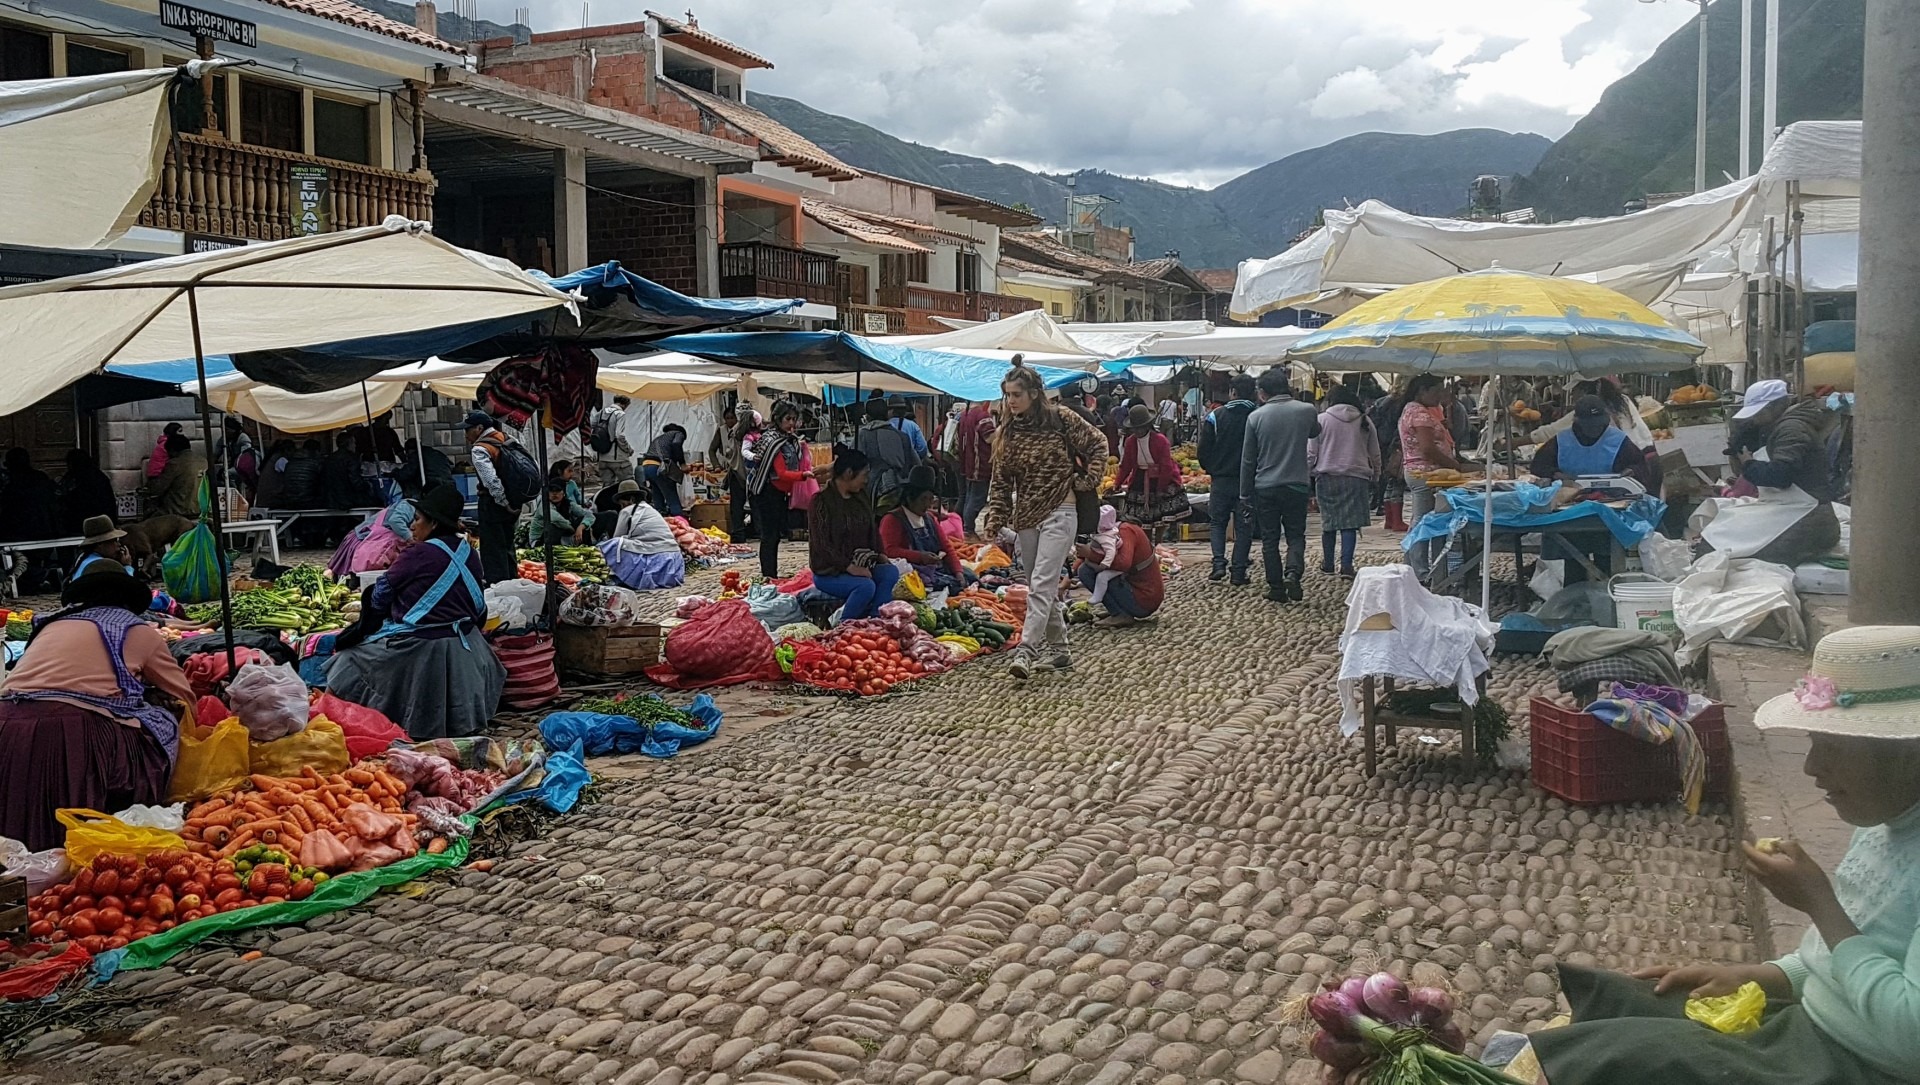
x=1045 y=551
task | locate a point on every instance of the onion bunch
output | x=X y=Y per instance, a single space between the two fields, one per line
x=1393 y=1035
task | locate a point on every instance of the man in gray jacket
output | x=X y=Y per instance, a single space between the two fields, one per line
x=1275 y=478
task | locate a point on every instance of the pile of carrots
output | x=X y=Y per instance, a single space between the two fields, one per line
x=281 y=810
x=1001 y=610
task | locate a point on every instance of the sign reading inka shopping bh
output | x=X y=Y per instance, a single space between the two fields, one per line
x=209 y=24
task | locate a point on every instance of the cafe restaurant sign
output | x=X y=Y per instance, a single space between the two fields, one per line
x=209 y=24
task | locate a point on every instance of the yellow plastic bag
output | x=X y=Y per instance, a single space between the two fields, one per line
x=1736 y=1014
x=322 y=745
x=911 y=587
x=212 y=760
x=91 y=833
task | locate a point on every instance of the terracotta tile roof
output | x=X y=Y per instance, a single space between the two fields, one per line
x=1155 y=269
x=1041 y=249
x=1015 y=265
x=858 y=227
x=342 y=11
x=711 y=44
x=1220 y=280
x=777 y=142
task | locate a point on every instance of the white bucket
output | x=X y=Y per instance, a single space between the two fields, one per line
x=1644 y=603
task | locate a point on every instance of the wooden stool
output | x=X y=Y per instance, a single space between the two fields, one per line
x=1375 y=713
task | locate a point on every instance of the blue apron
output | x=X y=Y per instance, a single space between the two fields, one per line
x=87 y=562
x=1595 y=459
x=455 y=572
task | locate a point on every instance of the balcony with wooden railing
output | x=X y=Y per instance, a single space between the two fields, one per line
x=922 y=304
x=985 y=306
x=755 y=269
x=213 y=186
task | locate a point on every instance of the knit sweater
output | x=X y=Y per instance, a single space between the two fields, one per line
x=1033 y=469
x=1346 y=446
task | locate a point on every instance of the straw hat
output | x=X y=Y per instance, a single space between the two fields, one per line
x=1864 y=683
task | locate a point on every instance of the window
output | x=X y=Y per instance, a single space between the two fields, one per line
x=87 y=60
x=24 y=54
x=1054 y=308
x=340 y=131
x=917 y=267
x=270 y=116
x=966 y=272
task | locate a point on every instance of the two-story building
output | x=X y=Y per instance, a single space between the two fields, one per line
x=1102 y=289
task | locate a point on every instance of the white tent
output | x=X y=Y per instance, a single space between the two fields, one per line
x=1375 y=248
x=79 y=157
x=382 y=280
x=1032 y=331
x=297 y=412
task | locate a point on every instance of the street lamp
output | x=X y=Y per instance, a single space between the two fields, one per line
x=1700 y=107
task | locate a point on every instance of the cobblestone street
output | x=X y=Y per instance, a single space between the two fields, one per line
x=1118 y=874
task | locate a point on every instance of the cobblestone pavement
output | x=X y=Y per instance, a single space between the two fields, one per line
x=1121 y=874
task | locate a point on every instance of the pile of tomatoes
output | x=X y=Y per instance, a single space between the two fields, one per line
x=123 y=898
x=856 y=661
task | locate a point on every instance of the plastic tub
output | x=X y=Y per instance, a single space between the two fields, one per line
x=1643 y=602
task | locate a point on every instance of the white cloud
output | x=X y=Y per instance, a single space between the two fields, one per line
x=1191 y=91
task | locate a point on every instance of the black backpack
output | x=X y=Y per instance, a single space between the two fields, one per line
x=519 y=475
x=602 y=438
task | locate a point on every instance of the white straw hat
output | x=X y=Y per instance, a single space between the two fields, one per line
x=1865 y=682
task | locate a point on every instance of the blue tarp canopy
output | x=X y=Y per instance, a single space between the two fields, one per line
x=619 y=310
x=962 y=376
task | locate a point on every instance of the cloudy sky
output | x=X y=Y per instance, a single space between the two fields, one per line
x=1190 y=91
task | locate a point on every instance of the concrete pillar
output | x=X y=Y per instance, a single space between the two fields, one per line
x=1886 y=519
x=569 y=211
x=706 y=236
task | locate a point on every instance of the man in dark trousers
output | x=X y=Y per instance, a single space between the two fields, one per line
x=1275 y=477
x=1222 y=437
x=486 y=444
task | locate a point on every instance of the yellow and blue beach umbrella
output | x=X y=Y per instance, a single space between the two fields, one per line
x=1502 y=322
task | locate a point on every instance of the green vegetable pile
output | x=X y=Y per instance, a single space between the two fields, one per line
x=584 y=560
x=302 y=600
x=966 y=621
x=646 y=709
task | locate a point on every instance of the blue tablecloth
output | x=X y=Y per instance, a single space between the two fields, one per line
x=1628 y=525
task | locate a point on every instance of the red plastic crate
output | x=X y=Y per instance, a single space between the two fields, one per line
x=1582 y=760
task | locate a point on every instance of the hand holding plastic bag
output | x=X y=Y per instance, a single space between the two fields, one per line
x=1736 y=1014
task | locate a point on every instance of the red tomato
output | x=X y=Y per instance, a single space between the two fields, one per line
x=79 y=903
x=78 y=927
x=177 y=875
x=106 y=883
x=82 y=882
x=109 y=918
x=40 y=928
x=188 y=902
x=93 y=944
x=194 y=887
x=117 y=942
x=224 y=897
x=145 y=927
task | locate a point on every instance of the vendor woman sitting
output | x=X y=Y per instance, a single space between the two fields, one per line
x=913 y=533
x=1593 y=446
x=1854 y=983
x=641 y=551
x=843 y=542
x=81 y=722
x=418 y=655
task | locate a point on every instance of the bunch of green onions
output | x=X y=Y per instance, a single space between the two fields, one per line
x=1392 y=1035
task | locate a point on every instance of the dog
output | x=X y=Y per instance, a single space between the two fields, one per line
x=148 y=540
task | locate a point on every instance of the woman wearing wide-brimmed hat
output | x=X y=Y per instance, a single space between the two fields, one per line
x=103 y=546
x=79 y=722
x=1854 y=983
x=418 y=655
x=1148 y=476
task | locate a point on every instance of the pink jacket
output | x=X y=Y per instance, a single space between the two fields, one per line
x=1163 y=473
x=1347 y=444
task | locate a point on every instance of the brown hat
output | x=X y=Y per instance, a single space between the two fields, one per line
x=1140 y=417
x=99 y=529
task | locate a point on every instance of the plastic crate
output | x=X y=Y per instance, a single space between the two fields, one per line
x=1584 y=761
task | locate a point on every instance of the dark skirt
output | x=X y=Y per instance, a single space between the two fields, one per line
x=54 y=756
x=1345 y=502
x=439 y=687
x=1623 y=1034
x=1150 y=504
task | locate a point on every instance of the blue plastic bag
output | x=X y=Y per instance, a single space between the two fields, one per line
x=602 y=734
x=192 y=567
x=566 y=776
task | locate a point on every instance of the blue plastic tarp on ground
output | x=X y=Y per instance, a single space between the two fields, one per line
x=959 y=375
x=1510 y=512
x=603 y=733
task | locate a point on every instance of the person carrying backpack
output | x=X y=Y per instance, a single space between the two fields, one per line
x=508 y=480
x=610 y=444
x=889 y=455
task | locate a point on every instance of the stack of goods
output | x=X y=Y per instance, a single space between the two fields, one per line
x=698 y=544
x=1521 y=412
x=571 y=564
x=1688 y=395
x=1192 y=475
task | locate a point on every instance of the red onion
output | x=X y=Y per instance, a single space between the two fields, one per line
x=1354 y=987
x=1334 y=1012
x=1340 y=1054
x=1432 y=1007
x=1386 y=997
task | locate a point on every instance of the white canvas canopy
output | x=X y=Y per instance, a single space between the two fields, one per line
x=79 y=157
x=390 y=279
x=1375 y=248
x=296 y=412
x=1033 y=331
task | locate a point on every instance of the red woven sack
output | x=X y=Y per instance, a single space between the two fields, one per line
x=720 y=645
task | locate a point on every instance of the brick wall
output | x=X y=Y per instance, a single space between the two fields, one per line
x=615 y=77
x=655 y=239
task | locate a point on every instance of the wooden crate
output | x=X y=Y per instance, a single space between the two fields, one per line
x=13 y=906
x=705 y=514
x=607 y=651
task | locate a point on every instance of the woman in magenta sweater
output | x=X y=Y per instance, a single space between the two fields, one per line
x=1148 y=476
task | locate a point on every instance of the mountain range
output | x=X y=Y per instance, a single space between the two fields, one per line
x=1258 y=213
x=1637 y=140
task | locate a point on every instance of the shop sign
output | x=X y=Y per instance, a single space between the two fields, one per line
x=210 y=243
x=309 y=199
x=874 y=323
x=209 y=24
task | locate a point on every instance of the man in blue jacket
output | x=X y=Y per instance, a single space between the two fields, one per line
x=1221 y=437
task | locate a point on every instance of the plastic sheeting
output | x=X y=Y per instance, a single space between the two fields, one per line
x=1033 y=331
x=296 y=412
x=839 y=353
x=1629 y=525
x=353 y=284
x=1822 y=157
x=80 y=157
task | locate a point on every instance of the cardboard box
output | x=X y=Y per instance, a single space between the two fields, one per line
x=705 y=514
x=609 y=650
